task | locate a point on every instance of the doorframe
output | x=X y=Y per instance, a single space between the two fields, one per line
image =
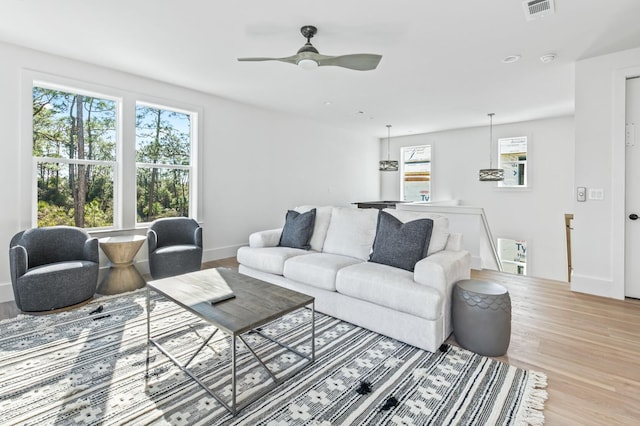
x=618 y=175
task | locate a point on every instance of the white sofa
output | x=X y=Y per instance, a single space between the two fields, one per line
x=414 y=307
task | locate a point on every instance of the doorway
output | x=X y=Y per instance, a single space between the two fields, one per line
x=632 y=189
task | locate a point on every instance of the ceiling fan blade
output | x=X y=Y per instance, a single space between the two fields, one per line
x=358 y=61
x=289 y=59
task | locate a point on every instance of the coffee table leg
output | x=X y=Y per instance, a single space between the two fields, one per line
x=148 y=330
x=313 y=332
x=233 y=375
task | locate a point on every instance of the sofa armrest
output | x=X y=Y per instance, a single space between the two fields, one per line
x=442 y=269
x=268 y=238
x=454 y=242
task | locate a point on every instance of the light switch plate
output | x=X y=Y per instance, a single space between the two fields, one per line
x=581 y=193
x=596 y=194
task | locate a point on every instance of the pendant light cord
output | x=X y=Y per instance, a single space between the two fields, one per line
x=491 y=114
x=388 y=142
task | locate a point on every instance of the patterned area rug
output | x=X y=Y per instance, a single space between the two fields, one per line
x=80 y=368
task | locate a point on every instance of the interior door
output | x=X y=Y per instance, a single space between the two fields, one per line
x=632 y=189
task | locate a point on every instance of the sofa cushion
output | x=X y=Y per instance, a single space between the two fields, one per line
x=317 y=269
x=390 y=287
x=400 y=244
x=267 y=259
x=440 y=233
x=351 y=232
x=297 y=230
x=323 y=217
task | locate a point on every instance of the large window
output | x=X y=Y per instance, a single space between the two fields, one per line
x=74 y=152
x=163 y=168
x=415 y=173
x=96 y=165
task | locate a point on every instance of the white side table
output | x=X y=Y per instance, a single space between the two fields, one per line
x=122 y=275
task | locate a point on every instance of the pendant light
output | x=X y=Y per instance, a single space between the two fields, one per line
x=491 y=174
x=388 y=165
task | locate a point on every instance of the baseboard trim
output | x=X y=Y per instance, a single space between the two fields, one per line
x=220 y=253
x=6 y=292
x=596 y=286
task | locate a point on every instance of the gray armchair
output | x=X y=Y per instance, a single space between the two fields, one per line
x=175 y=247
x=53 y=267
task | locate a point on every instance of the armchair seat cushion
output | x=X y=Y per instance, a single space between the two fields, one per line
x=173 y=250
x=60 y=268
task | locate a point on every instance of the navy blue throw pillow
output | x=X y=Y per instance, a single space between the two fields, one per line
x=399 y=244
x=298 y=228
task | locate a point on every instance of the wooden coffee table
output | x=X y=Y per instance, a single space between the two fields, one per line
x=256 y=303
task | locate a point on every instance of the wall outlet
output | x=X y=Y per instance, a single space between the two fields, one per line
x=581 y=193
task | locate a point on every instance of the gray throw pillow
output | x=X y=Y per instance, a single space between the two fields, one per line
x=298 y=228
x=401 y=244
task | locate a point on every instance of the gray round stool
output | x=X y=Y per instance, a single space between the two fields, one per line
x=481 y=314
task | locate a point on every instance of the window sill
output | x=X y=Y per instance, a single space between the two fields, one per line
x=112 y=232
x=513 y=188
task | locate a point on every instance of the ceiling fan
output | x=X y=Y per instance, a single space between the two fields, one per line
x=308 y=56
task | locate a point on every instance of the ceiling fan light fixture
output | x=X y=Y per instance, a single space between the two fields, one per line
x=308 y=57
x=307 y=64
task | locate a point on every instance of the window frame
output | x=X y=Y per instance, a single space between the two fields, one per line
x=524 y=162
x=114 y=165
x=520 y=262
x=125 y=174
x=402 y=169
x=191 y=168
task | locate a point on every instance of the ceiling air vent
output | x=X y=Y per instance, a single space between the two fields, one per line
x=534 y=9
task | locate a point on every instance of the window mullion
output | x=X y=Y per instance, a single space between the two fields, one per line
x=127 y=175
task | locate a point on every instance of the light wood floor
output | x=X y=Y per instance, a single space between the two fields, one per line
x=588 y=346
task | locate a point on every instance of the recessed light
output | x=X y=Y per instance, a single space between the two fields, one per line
x=510 y=59
x=327 y=103
x=549 y=57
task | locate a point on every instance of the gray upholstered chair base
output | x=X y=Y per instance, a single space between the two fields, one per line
x=53 y=267
x=175 y=260
x=482 y=317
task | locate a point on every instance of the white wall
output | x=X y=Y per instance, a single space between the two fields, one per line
x=535 y=214
x=598 y=236
x=256 y=163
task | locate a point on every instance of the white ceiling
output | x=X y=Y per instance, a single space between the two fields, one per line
x=441 y=65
